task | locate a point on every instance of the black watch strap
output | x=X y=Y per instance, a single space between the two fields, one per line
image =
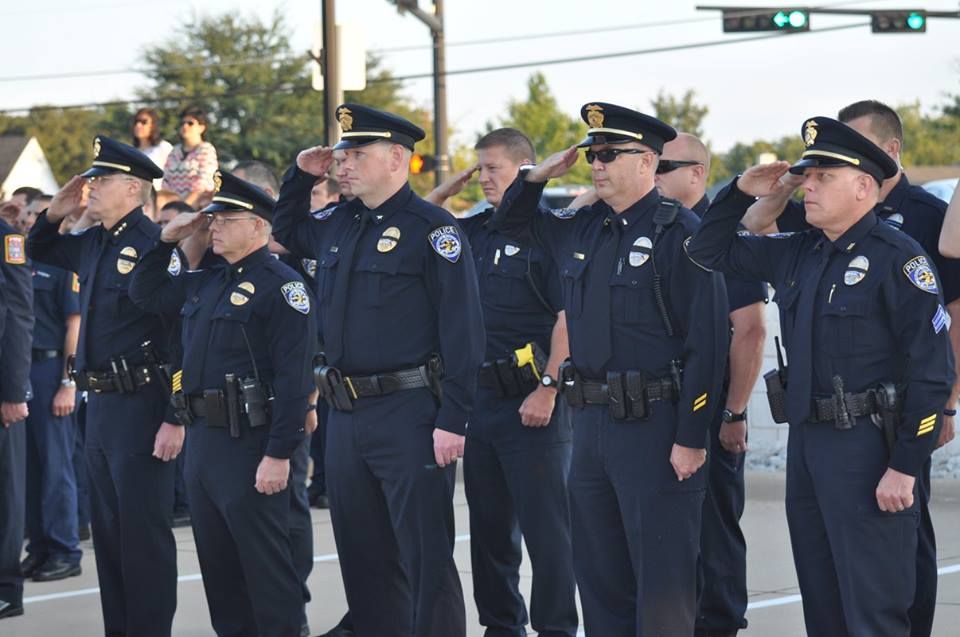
x=729 y=416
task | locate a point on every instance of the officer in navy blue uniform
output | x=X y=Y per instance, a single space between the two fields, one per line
x=53 y=551
x=16 y=328
x=403 y=337
x=920 y=215
x=722 y=574
x=517 y=454
x=131 y=436
x=648 y=341
x=870 y=368
x=248 y=341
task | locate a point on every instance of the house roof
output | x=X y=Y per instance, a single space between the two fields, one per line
x=11 y=147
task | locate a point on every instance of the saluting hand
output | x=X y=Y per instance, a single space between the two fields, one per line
x=895 y=491
x=556 y=165
x=686 y=461
x=447 y=447
x=316 y=161
x=451 y=186
x=67 y=202
x=764 y=180
x=272 y=475
x=182 y=226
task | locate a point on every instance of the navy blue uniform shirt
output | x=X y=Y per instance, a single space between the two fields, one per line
x=909 y=208
x=56 y=295
x=255 y=307
x=508 y=270
x=16 y=317
x=877 y=312
x=412 y=291
x=695 y=298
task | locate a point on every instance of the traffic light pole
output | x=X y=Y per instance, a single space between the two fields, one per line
x=332 y=93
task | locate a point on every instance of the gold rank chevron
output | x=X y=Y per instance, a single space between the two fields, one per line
x=700 y=402
x=177 y=381
x=927 y=425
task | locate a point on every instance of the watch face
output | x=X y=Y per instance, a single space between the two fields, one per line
x=547 y=381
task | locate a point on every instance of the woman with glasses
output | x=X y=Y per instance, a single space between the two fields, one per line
x=145 y=131
x=191 y=164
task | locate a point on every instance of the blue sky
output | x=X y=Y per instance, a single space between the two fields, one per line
x=754 y=90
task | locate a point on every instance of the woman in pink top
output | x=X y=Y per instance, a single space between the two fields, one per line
x=190 y=166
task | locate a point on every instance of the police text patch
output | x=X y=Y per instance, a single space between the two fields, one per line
x=295 y=294
x=322 y=215
x=13 y=249
x=564 y=213
x=175 y=266
x=919 y=273
x=445 y=241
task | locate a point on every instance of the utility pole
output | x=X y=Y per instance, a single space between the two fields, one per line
x=332 y=93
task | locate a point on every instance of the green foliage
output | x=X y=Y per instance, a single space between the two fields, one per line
x=684 y=113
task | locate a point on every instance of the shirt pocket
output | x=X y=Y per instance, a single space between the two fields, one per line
x=372 y=276
x=326 y=276
x=572 y=280
x=633 y=300
x=850 y=327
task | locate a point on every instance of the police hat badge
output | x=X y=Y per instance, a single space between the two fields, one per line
x=345 y=118
x=810 y=132
x=595 y=116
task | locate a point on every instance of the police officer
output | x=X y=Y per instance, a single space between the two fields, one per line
x=130 y=436
x=722 y=574
x=920 y=215
x=648 y=342
x=53 y=552
x=248 y=335
x=866 y=335
x=16 y=328
x=398 y=299
x=517 y=454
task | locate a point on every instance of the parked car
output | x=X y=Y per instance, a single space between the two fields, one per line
x=942 y=188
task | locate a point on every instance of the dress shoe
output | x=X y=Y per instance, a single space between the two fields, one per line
x=84 y=532
x=320 y=501
x=31 y=563
x=9 y=609
x=700 y=632
x=181 y=519
x=56 y=569
x=338 y=631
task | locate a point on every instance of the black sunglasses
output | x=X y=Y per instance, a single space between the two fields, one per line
x=607 y=155
x=670 y=165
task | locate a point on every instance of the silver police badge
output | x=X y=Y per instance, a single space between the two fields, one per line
x=445 y=241
x=640 y=253
x=175 y=266
x=856 y=270
x=310 y=267
x=920 y=273
x=510 y=250
x=295 y=294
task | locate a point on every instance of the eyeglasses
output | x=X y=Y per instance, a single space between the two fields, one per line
x=670 y=165
x=220 y=220
x=607 y=155
x=189 y=122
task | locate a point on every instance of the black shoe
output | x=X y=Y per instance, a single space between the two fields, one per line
x=305 y=630
x=56 y=569
x=320 y=501
x=338 y=631
x=9 y=609
x=30 y=564
x=700 y=632
x=85 y=533
x=181 y=519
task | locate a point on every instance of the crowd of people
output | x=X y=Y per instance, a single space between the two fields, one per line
x=181 y=344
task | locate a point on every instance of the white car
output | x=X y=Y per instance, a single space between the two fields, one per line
x=942 y=188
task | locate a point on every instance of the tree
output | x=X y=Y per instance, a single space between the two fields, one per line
x=684 y=113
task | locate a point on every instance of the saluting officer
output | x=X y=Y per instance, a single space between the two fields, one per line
x=248 y=341
x=870 y=369
x=130 y=435
x=402 y=332
x=517 y=455
x=648 y=341
x=16 y=330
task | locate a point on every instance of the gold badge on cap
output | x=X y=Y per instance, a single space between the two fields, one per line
x=127 y=260
x=345 y=118
x=389 y=239
x=217 y=181
x=237 y=298
x=96 y=147
x=595 y=116
x=810 y=133
x=856 y=270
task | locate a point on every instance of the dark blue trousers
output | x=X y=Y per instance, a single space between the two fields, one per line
x=722 y=567
x=515 y=479
x=301 y=524
x=318 y=442
x=80 y=464
x=131 y=502
x=856 y=564
x=242 y=536
x=925 y=597
x=636 y=528
x=51 y=481
x=13 y=443
x=392 y=512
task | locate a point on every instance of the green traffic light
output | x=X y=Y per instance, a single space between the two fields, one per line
x=799 y=18
x=916 y=21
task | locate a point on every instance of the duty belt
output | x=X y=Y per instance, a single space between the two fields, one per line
x=882 y=404
x=105 y=382
x=383 y=384
x=340 y=391
x=627 y=394
x=598 y=393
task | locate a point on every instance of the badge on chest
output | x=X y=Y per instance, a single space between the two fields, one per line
x=243 y=293
x=127 y=260
x=389 y=239
x=856 y=270
x=640 y=251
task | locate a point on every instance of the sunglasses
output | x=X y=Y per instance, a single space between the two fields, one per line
x=607 y=155
x=670 y=165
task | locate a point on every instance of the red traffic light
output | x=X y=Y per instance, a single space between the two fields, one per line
x=420 y=164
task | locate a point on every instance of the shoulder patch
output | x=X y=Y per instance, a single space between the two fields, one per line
x=175 y=266
x=14 y=251
x=445 y=241
x=564 y=213
x=918 y=272
x=322 y=214
x=295 y=294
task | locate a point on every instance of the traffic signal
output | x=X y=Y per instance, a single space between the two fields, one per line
x=420 y=164
x=898 y=21
x=786 y=20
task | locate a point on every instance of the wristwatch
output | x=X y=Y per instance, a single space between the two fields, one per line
x=729 y=416
x=548 y=381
